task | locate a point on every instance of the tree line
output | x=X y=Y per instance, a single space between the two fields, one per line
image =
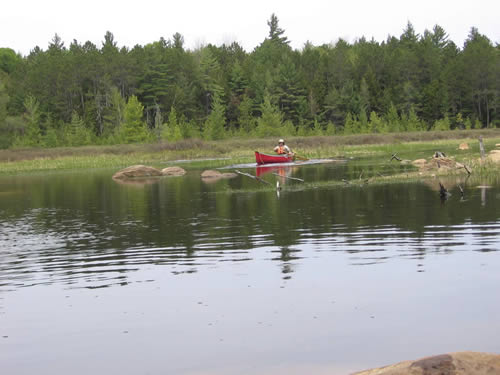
x=83 y=94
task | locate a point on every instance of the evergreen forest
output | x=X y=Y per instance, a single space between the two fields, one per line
x=85 y=94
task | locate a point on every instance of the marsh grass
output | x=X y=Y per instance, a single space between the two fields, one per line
x=214 y=154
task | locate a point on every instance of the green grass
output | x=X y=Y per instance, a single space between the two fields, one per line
x=204 y=154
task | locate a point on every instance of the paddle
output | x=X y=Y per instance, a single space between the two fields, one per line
x=300 y=157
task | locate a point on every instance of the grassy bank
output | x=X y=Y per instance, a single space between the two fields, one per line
x=406 y=145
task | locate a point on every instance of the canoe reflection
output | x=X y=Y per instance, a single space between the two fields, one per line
x=282 y=171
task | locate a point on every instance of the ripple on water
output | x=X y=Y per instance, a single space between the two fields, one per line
x=32 y=255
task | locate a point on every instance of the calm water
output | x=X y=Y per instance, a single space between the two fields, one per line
x=180 y=276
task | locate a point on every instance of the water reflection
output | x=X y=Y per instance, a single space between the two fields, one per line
x=88 y=228
x=226 y=278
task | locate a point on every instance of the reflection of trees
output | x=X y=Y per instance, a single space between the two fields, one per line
x=101 y=226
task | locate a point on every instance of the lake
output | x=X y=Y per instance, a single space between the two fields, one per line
x=183 y=276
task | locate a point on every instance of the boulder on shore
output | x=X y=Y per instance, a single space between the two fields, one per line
x=173 y=171
x=419 y=162
x=494 y=156
x=461 y=363
x=440 y=164
x=137 y=171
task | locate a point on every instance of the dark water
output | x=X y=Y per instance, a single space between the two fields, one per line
x=180 y=276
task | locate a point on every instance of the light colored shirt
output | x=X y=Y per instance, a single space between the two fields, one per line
x=285 y=148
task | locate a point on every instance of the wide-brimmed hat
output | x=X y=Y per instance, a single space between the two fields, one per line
x=281 y=141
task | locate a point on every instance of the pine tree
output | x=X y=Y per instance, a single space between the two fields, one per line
x=271 y=120
x=459 y=121
x=171 y=130
x=412 y=122
x=364 y=126
x=214 y=125
x=76 y=133
x=442 y=124
x=245 y=115
x=33 y=135
x=115 y=113
x=468 y=123
x=330 y=129
x=210 y=76
x=134 y=129
x=51 y=138
x=275 y=32
x=376 y=123
x=317 y=128
x=392 y=119
x=349 y=125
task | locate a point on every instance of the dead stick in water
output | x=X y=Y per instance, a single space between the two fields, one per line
x=254 y=177
x=467 y=169
x=291 y=178
x=395 y=156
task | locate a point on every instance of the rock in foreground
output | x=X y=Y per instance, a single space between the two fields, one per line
x=137 y=171
x=173 y=171
x=461 y=363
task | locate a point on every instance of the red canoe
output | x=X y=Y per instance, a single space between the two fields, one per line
x=270 y=159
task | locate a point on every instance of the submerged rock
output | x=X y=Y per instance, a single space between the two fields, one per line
x=137 y=171
x=210 y=175
x=229 y=175
x=173 y=171
x=461 y=363
x=137 y=182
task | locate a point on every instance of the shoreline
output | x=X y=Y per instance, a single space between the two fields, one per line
x=212 y=154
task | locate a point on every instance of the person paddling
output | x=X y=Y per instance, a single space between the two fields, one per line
x=282 y=148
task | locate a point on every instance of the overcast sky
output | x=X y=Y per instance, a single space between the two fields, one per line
x=25 y=24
